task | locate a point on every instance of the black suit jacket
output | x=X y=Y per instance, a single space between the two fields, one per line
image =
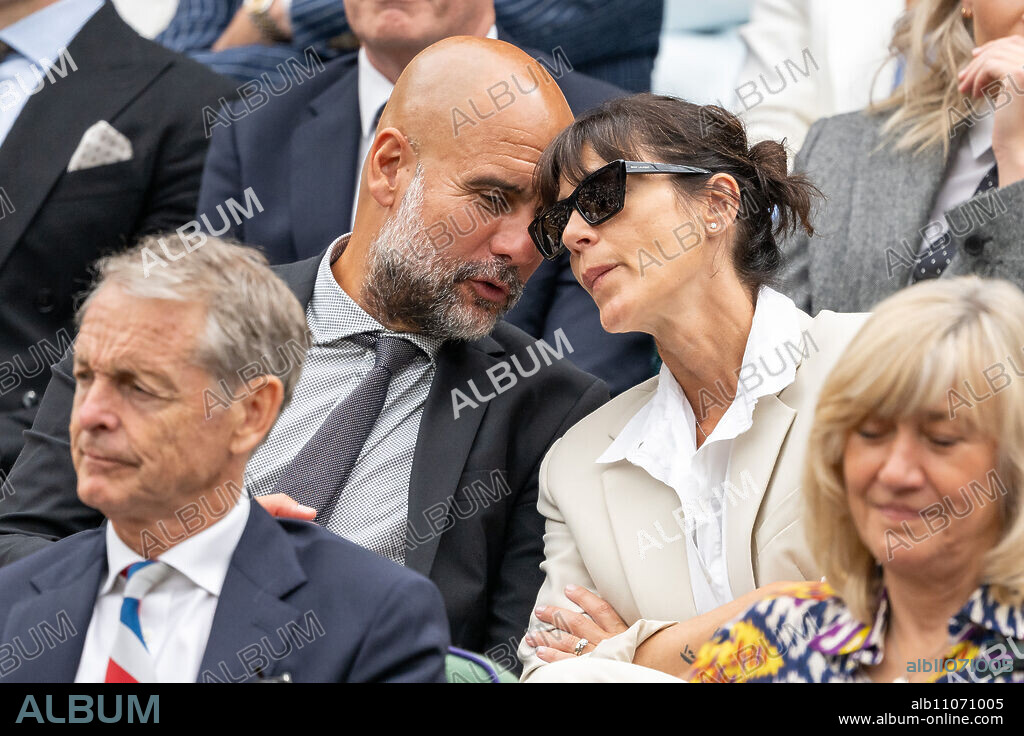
x=474 y=528
x=288 y=584
x=299 y=153
x=62 y=221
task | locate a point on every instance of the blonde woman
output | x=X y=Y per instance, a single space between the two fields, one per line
x=915 y=510
x=927 y=183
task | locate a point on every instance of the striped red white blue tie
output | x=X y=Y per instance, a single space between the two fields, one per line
x=130 y=660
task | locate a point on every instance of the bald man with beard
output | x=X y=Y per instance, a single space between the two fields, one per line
x=420 y=419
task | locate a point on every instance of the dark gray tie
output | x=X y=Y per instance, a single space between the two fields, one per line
x=940 y=252
x=4 y=50
x=318 y=473
x=376 y=118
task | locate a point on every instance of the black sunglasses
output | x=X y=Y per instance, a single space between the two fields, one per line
x=599 y=196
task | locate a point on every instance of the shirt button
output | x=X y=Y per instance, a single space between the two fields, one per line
x=975 y=244
x=45 y=301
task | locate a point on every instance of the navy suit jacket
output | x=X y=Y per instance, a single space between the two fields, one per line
x=299 y=153
x=473 y=526
x=583 y=29
x=297 y=599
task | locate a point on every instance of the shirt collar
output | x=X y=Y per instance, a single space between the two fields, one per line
x=375 y=88
x=845 y=635
x=333 y=315
x=374 y=91
x=203 y=558
x=770 y=361
x=982 y=609
x=979 y=136
x=41 y=36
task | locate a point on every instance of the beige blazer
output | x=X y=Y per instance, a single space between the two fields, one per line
x=614 y=529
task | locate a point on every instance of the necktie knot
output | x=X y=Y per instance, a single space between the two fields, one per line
x=395 y=353
x=143 y=576
x=392 y=353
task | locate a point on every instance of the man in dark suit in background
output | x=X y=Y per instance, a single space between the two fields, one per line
x=429 y=414
x=301 y=154
x=187 y=580
x=101 y=139
x=612 y=40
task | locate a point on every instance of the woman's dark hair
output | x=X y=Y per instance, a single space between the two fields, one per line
x=648 y=127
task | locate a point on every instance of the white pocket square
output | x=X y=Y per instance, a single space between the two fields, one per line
x=100 y=145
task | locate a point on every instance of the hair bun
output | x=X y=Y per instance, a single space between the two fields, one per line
x=789 y=195
x=770 y=156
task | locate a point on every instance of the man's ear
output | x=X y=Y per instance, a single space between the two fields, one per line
x=255 y=412
x=390 y=166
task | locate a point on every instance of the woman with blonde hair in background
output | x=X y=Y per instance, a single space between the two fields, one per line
x=926 y=183
x=915 y=506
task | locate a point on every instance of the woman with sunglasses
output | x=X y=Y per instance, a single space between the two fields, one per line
x=676 y=505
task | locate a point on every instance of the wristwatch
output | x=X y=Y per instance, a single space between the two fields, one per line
x=259 y=12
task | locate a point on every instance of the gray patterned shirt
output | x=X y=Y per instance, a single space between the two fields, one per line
x=374 y=504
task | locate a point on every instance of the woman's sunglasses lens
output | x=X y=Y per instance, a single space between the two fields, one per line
x=552 y=225
x=601 y=197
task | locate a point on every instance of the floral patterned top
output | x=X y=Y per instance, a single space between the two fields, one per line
x=807 y=634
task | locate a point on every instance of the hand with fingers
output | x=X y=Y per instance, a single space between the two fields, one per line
x=575 y=633
x=282 y=506
x=996 y=72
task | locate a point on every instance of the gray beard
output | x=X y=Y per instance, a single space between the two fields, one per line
x=409 y=282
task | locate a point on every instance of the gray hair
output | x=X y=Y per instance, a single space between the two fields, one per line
x=254 y=324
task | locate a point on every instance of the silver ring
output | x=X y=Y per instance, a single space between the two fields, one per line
x=580 y=646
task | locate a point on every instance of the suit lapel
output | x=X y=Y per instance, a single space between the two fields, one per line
x=300 y=277
x=444 y=442
x=645 y=518
x=324 y=153
x=67 y=594
x=885 y=176
x=751 y=465
x=50 y=126
x=263 y=569
x=651 y=544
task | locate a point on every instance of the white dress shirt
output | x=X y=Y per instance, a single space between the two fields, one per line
x=36 y=42
x=972 y=160
x=374 y=91
x=661 y=439
x=176 y=615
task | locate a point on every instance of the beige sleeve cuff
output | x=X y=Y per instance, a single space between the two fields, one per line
x=622 y=647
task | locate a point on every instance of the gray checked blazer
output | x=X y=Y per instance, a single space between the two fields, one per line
x=870 y=227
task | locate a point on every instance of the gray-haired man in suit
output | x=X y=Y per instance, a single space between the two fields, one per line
x=444 y=479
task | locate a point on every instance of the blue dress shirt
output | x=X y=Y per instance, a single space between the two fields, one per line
x=37 y=41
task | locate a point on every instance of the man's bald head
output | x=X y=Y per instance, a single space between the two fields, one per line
x=464 y=91
x=440 y=243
